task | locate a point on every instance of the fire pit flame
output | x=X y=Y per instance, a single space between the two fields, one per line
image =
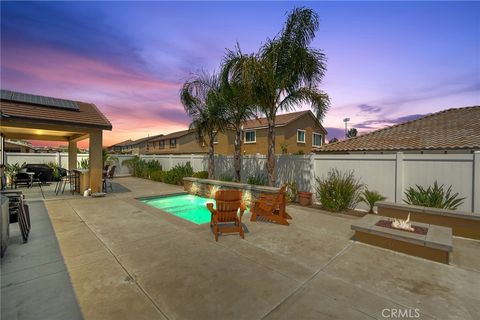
x=403 y=224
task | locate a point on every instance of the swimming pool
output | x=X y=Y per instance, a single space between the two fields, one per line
x=185 y=206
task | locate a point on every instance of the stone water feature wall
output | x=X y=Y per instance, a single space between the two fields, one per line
x=207 y=188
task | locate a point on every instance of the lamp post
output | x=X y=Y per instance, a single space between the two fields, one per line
x=346 y=129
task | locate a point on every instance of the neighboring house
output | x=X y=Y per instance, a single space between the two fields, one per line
x=448 y=131
x=184 y=142
x=135 y=147
x=294 y=132
x=122 y=147
x=18 y=146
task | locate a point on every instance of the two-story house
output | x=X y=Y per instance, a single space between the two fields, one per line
x=180 y=142
x=139 y=146
x=294 y=132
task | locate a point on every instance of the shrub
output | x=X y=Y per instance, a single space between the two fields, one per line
x=434 y=196
x=338 y=192
x=55 y=170
x=177 y=173
x=299 y=153
x=370 y=198
x=12 y=169
x=83 y=164
x=291 y=192
x=201 y=174
x=258 y=180
x=226 y=177
x=149 y=167
x=134 y=165
x=142 y=168
x=157 y=175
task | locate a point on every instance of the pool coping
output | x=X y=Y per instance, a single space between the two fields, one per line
x=161 y=196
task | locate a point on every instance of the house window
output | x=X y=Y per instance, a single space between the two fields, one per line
x=173 y=143
x=161 y=144
x=300 y=136
x=317 y=140
x=250 y=137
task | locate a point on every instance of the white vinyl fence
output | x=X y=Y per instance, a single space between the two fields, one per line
x=41 y=158
x=390 y=174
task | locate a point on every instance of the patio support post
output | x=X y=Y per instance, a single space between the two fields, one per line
x=96 y=161
x=72 y=155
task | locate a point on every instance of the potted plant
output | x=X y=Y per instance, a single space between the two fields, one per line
x=11 y=171
x=305 y=198
x=291 y=192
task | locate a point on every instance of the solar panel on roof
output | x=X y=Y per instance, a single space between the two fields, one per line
x=39 y=100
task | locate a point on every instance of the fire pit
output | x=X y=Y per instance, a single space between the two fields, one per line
x=389 y=224
x=418 y=239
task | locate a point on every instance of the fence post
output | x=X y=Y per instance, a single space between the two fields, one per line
x=399 y=177
x=476 y=182
x=313 y=174
x=170 y=161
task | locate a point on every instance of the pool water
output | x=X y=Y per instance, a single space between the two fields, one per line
x=185 y=206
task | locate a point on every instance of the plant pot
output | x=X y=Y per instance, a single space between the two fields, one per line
x=305 y=198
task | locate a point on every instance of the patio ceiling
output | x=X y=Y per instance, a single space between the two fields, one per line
x=41 y=134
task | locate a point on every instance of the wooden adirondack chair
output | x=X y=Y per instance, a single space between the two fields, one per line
x=271 y=207
x=229 y=209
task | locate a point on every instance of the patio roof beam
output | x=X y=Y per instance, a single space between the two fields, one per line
x=28 y=136
x=78 y=137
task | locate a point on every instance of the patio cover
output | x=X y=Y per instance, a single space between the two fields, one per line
x=32 y=117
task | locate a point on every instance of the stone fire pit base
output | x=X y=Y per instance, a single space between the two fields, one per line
x=436 y=245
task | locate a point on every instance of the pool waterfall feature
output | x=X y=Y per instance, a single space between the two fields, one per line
x=207 y=188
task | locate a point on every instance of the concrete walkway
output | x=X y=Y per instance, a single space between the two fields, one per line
x=34 y=280
x=127 y=260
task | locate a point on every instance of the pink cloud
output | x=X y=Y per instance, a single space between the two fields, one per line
x=137 y=104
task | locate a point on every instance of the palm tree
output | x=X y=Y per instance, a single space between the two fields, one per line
x=239 y=105
x=352 y=133
x=286 y=72
x=201 y=98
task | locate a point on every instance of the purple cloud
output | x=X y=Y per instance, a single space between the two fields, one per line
x=366 y=108
x=373 y=124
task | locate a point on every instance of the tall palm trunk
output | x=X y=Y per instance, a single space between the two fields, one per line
x=211 y=157
x=271 y=153
x=237 y=156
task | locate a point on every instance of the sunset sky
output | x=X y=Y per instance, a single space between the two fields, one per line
x=387 y=62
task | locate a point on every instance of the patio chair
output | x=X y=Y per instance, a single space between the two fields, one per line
x=229 y=210
x=62 y=182
x=19 y=212
x=22 y=178
x=108 y=179
x=271 y=207
x=38 y=180
x=73 y=180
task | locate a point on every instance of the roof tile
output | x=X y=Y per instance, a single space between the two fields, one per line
x=449 y=129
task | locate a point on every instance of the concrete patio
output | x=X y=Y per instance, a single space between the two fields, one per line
x=127 y=260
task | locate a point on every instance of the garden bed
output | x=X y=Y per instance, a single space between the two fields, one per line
x=348 y=212
x=463 y=224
